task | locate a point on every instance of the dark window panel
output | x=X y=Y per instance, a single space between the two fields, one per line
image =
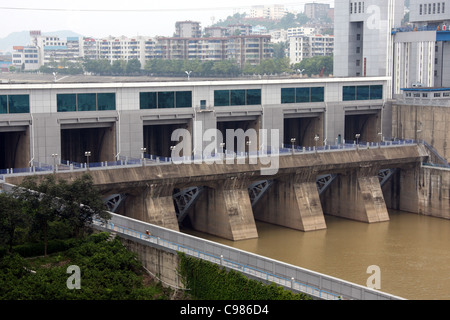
x=302 y=95
x=166 y=99
x=3 y=104
x=349 y=93
x=19 y=103
x=87 y=102
x=318 y=94
x=287 y=95
x=66 y=102
x=221 y=98
x=147 y=100
x=183 y=99
x=237 y=97
x=254 y=97
x=106 y=101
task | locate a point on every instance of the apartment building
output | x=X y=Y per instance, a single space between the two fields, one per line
x=317 y=11
x=273 y=12
x=308 y=46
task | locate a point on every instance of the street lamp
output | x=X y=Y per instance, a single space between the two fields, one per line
x=380 y=135
x=188 y=74
x=54 y=156
x=248 y=147
x=87 y=154
x=316 y=138
x=171 y=151
x=357 y=136
x=222 y=146
x=293 y=144
x=143 y=151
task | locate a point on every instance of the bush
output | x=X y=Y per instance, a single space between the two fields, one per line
x=210 y=281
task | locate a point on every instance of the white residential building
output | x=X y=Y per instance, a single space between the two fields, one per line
x=308 y=46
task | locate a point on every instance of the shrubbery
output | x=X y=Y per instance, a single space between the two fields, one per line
x=108 y=272
x=210 y=281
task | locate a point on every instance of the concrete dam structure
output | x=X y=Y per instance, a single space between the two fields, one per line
x=224 y=207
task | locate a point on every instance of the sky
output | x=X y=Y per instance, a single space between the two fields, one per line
x=130 y=18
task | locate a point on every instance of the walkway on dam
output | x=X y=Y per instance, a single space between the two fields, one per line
x=297 y=279
x=154 y=160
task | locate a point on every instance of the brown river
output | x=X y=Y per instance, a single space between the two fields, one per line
x=412 y=252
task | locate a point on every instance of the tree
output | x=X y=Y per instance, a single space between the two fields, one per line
x=314 y=65
x=133 y=67
x=11 y=218
x=50 y=200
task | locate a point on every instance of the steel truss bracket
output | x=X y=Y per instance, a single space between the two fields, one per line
x=114 y=201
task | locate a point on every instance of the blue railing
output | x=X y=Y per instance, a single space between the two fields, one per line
x=155 y=160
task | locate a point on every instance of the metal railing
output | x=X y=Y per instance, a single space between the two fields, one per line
x=261 y=268
x=152 y=160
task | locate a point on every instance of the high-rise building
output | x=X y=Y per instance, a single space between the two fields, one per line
x=422 y=50
x=363 y=36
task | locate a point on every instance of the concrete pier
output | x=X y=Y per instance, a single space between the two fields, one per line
x=357 y=196
x=292 y=202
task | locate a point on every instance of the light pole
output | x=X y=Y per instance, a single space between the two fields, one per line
x=380 y=135
x=54 y=156
x=171 y=151
x=143 y=151
x=293 y=144
x=222 y=146
x=188 y=74
x=248 y=147
x=357 y=136
x=87 y=154
x=316 y=138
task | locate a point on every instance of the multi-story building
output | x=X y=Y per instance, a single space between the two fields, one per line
x=422 y=50
x=308 y=46
x=317 y=11
x=26 y=57
x=273 y=12
x=301 y=31
x=188 y=29
x=363 y=36
x=235 y=42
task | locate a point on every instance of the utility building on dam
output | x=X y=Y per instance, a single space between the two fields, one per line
x=43 y=121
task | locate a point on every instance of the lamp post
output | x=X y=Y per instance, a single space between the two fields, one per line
x=222 y=147
x=54 y=156
x=316 y=138
x=143 y=151
x=171 y=151
x=248 y=147
x=188 y=74
x=380 y=135
x=357 y=136
x=293 y=144
x=87 y=154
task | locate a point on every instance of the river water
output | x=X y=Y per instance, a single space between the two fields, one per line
x=412 y=252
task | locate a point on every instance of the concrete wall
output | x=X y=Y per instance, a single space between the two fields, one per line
x=420 y=122
x=161 y=263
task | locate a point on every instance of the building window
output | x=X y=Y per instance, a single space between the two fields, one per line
x=420 y=9
x=85 y=102
x=302 y=95
x=242 y=97
x=165 y=99
x=15 y=103
x=358 y=37
x=351 y=93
